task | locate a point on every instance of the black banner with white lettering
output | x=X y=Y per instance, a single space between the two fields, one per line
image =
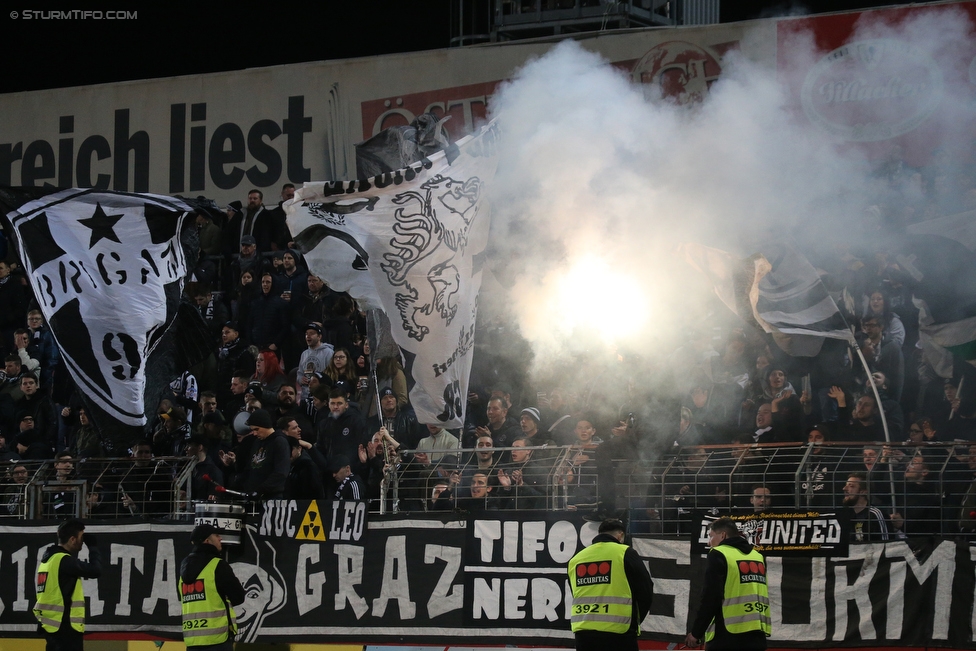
x=515 y=568
x=318 y=572
x=787 y=533
x=137 y=591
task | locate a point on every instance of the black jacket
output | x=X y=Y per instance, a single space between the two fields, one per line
x=227 y=584
x=230 y=359
x=710 y=606
x=351 y=489
x=342 y=435
x=71 y=570
x=641 y=590
x=45 y=416
x=270 y=463
x=849 y=429
x=405 y=428
x=13 y=303
x=267 y=322
x=304 y=480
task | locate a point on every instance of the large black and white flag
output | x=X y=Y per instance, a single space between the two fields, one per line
x=791 y=298
x=939 y=256
x=783 y=290
x=411 y=243
x=734 y=280
x=102 y=265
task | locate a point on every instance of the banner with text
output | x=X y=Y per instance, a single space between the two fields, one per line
x=317 y=572
x=785 y=533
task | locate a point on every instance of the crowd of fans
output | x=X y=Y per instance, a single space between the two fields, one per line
x=290 y=404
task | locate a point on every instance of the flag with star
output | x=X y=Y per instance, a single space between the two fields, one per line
x=104 y=267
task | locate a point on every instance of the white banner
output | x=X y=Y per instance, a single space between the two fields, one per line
x=99 y=263
x=411 y=242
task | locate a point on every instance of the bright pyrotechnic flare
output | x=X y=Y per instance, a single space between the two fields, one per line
x=594 y=295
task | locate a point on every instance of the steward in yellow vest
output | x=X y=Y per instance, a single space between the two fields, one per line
x=734 y=608
x=60 y=607
x=612 y=592
x=209 y=590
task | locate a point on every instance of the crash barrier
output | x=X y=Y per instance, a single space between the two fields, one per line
x=318 y=572
x=916 y=488
x=159 y=487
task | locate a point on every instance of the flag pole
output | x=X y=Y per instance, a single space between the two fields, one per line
x=884 y=421
x=852 y=341
x=373 y=345
x=874 y=389
x=958 y=393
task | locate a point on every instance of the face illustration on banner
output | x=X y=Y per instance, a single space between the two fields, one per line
x=332 y=214
x=750 y=530
x=264 y=593
x=332 y=252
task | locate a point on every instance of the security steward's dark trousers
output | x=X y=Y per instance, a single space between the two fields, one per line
x=600 y=641
x=67 y=639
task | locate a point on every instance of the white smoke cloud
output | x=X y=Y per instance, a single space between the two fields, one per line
x=598 y=185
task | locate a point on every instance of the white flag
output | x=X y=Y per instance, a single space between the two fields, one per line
x=411 y=242
x=100 y=263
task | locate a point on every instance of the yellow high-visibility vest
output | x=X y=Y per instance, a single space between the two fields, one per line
x=745 y=606
x=602 y=600
x=207 y=618
x=49 y=609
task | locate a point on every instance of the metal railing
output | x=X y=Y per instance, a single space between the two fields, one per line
x=918 y=489
x=930 y=488
x=97 y=488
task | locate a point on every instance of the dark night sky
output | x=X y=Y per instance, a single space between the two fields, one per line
x=170 y=39
x=189 y=38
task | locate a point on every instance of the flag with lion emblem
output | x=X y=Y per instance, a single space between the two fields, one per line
x=411 y=242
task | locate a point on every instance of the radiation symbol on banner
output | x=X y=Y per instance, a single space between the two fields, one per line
x=311 y=528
